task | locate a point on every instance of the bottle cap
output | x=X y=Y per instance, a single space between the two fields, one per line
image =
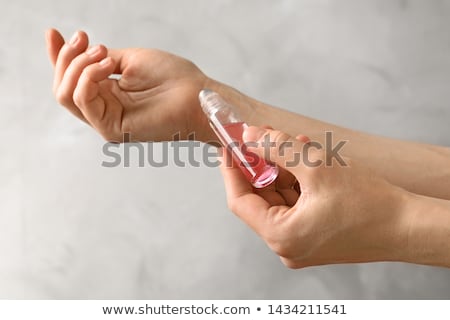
x=210 y=101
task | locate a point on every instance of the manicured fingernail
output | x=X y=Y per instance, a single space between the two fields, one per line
x=105 y=61
x=302 y=138
x=93 y=50
x=74 y=38
x=253 y=134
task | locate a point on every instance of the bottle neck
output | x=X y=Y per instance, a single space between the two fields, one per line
x=216 y=108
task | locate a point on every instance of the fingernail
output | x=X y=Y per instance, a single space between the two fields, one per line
x=74 y=38
x=93 y=50
x=253 y=134
x=302 y=138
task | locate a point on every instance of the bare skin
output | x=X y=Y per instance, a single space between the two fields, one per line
x=343 y=214
x=156 y=99
x=160 y=88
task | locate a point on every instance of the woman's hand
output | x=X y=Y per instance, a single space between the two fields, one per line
x=339 y=214
x=156 y=98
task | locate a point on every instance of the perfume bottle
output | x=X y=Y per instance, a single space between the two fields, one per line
x=229 y=129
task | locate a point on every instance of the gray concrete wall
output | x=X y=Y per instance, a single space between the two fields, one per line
x=70 y=228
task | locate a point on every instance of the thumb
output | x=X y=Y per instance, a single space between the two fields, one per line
x=275 y=146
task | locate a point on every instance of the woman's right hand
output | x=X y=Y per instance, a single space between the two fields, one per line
x=156 y=98
x=340 y=213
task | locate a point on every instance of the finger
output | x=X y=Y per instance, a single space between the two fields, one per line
x=58 y=55
x=285 y=180
x=98 y=105
x=54 y=41
x=119 y=56
x=76 y=45
x=286 y=184
x=273 y=197
x=275 y=146
x=302 y=138
x=280 y=192
x=290 y=196
x=241 y=199
x=66 y=87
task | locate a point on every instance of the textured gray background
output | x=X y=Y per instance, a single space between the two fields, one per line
x=72 y=229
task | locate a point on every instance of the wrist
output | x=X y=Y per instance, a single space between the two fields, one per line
x=247 y=108
x=428 y=240
x=389 y=230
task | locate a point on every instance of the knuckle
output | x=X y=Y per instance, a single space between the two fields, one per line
x=287 y=242
x=86 y=75
x=65 y=52
x=62 y=97
x=289 y=263
x=111 y=137
x=78 y=97
x=281 y=247
x=280 y=137
x=232 y=205
x=282 y=250
x=279 y=142
x=67 y=55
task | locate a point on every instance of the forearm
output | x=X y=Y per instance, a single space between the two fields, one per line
x=418 y=168
x=427 y=221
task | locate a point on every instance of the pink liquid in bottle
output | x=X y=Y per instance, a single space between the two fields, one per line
x=256 y=169
x=229 y=129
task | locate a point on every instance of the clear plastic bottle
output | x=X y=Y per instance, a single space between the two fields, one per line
x=229 y=129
